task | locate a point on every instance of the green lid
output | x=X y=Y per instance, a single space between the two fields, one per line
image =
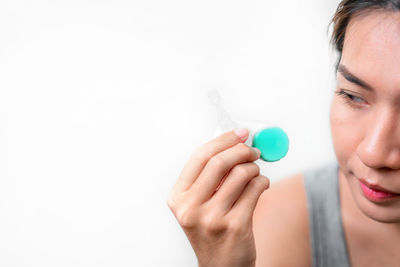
x=272 y=142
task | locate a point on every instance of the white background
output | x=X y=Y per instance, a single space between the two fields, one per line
x=102 y=102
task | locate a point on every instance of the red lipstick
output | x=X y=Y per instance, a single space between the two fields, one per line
x=376 y=193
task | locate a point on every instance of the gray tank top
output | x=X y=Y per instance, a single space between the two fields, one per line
x=328 y=242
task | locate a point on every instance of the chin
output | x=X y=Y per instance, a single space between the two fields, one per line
x=380 y=214
x=388 y=212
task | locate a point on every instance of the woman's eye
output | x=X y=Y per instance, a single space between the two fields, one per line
x=350 y=99
x=354 y=98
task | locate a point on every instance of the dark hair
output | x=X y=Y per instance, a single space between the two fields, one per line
x=349 y=9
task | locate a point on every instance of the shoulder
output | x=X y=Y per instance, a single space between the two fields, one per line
x=280 y=224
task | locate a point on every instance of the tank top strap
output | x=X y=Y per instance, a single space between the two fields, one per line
x=328 y=242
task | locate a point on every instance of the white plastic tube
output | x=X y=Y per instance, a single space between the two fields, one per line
x=225 y=122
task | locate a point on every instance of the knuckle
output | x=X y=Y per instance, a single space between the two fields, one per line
x=199 y=155
x=171 y=203
x=242 y=146
x=186 y=217
x=212 y=224
x=236 y=226
x=241 y=171
x=217 y=162
x=261 y=181
x=256 y=167
x=267 y=181
x=246 y=150
x=171 y=198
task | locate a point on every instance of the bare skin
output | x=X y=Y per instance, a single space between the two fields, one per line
x=270 y=228
x=366 y=138
x=214 y=200
x=372 y=150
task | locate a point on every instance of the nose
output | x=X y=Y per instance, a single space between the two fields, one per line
x=380 y=147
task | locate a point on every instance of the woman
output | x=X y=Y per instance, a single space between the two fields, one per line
x=345 y=214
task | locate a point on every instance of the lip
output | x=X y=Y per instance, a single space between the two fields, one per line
x=377 y=187
x=376 y=193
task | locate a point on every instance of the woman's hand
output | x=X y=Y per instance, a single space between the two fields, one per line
x=214 y=199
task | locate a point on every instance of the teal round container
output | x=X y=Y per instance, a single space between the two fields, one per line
x=273 y=143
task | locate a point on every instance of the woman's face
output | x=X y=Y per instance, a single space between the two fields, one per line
x=365 y=126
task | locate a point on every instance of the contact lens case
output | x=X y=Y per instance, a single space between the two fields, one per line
x=270 y=139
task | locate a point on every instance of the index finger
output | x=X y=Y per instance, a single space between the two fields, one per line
x=202 y=154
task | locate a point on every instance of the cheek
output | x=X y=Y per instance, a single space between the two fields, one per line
x=345 y=130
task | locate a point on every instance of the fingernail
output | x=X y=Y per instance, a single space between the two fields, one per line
x=242 y=133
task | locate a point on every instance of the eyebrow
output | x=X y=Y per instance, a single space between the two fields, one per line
x=353 y=79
